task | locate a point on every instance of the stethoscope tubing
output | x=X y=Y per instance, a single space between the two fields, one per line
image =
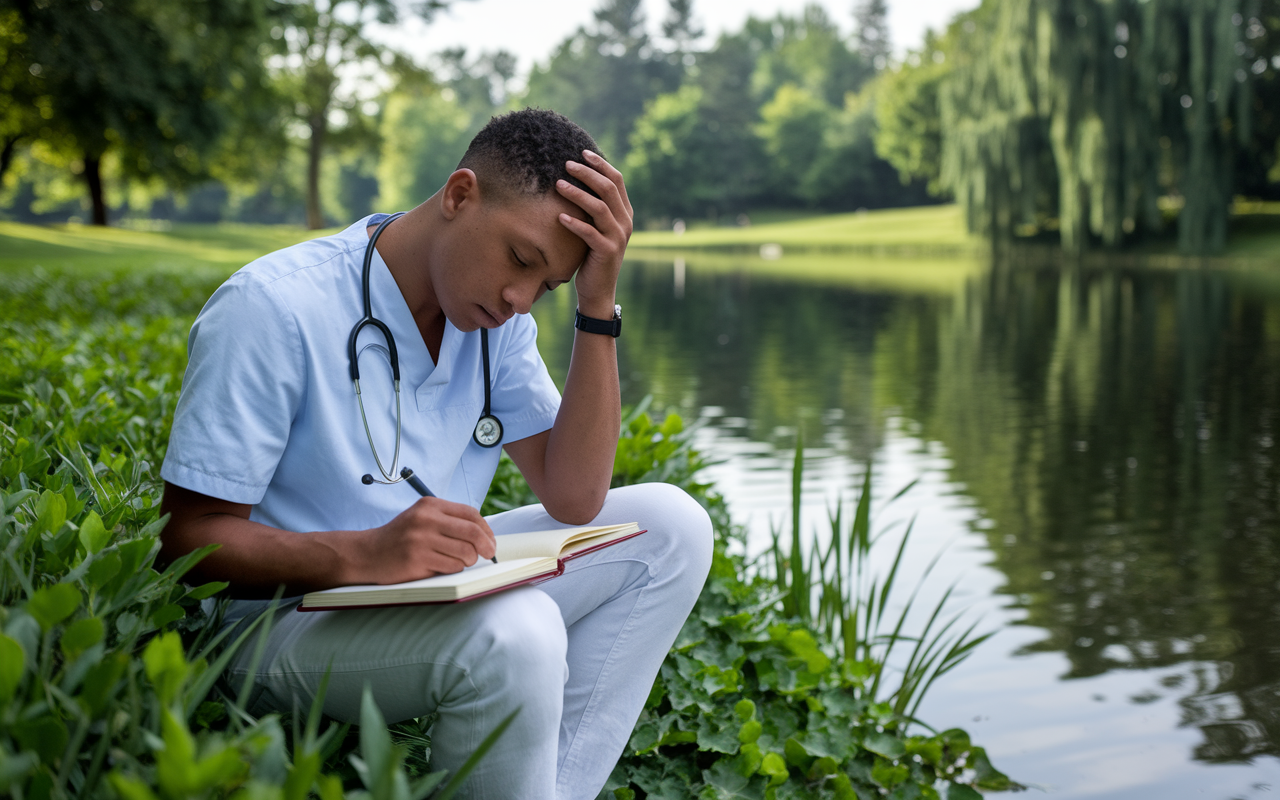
x=487 y=422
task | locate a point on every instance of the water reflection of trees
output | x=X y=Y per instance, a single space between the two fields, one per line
x=1116 y=425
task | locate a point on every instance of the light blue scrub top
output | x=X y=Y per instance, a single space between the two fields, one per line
x=268 y=415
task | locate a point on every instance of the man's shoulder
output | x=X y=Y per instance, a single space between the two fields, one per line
x=323 y=253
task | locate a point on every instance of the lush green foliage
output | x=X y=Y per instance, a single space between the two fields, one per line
x=1087 y=113
x=152 y=88
x=109 y=681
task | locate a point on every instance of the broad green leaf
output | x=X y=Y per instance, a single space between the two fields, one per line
x=93 y=535
x=750 y=731
x=958 y=791
x=127 y=623
x=167 y=614
x=46 y=736
x=929 y=750
x=822 y=767
x=888 y=774
x=52 y=604
x=105 y=567
x=176 y=768
x=716 y=737
x=988 y=777
x=329 y=787
x=100 y=683
x=12 y=660
x=744 y=710
x=166 y=665
x=16 y=767
x=724 y=783
x=749 y=760
x=775 y=767
x=885 y=744
x=51 y=512
x=130 y=788
x=796 y=755
x=80 y=636
x=207 y=590
x=844 y=788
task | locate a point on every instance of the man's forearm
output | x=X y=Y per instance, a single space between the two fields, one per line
x=256 y=559
x=584 y=439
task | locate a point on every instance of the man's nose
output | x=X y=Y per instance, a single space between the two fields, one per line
x=521 y=295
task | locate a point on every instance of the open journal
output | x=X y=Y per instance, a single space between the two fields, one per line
x=522 y=558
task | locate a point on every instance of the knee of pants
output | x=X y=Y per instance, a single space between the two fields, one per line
x=679 y=530
x=520 y=643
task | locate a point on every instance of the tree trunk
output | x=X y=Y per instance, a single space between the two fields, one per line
x=7 y=153
x=93 y=177
x=315 y=148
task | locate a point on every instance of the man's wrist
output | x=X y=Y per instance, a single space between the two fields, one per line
x=598 y=309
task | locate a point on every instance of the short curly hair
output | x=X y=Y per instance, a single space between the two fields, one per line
x=523 y=153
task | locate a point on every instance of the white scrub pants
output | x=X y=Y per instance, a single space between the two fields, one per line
x=577 y=654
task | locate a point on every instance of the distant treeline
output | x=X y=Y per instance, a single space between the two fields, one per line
x=1096 y=121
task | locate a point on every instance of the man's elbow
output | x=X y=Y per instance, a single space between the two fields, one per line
x=579 y=508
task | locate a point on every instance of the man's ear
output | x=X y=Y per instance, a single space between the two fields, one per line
x=461 y=189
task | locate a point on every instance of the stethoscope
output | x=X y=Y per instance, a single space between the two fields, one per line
x=488 y=431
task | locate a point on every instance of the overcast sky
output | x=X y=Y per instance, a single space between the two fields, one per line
x=531 y=29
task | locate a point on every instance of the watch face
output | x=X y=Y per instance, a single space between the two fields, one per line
x=488 y=431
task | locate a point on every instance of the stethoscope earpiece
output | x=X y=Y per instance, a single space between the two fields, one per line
x=488 y=431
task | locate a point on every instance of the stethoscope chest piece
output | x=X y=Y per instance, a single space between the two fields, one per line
x=488 y=431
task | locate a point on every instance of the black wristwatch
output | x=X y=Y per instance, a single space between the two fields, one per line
x=610 y=327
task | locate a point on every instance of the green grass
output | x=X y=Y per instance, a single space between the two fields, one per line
x=921 y=231
x=866 y=271
x=223 y=247
x=925 y=229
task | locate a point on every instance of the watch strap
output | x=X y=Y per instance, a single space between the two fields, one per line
x=606 y=327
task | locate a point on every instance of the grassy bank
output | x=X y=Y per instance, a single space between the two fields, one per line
x=926 y=230
x=222 y=247
x=929 y=231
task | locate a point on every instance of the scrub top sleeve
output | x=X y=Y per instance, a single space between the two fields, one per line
x=243 y=386
x=524 y=397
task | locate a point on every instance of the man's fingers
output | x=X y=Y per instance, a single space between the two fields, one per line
x=612 y=196
x=611 y=172
x=457 y=521
x=595 y=240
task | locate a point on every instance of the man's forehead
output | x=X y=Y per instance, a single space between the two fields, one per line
x=536 y=221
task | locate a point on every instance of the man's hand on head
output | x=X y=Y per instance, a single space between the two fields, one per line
x=606 y=239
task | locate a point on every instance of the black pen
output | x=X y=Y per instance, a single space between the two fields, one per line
x=422 y=489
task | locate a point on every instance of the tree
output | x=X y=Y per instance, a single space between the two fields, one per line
x=154 y=84
x=792 y=126
x=20 y=109
x=871 y=27
x=670 y=165
x=1130 y=100
x=602 y=76
x=428 y=121
x=909 y=125
x=848 y=172
x=806 y=50
x=320 y=42
x=680 y=28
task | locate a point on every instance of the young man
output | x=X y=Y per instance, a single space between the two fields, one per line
x=269 y=447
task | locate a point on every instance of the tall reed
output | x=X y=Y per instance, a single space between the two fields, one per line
x=837 y=591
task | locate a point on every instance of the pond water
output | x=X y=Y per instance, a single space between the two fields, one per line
x=1097 y=455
